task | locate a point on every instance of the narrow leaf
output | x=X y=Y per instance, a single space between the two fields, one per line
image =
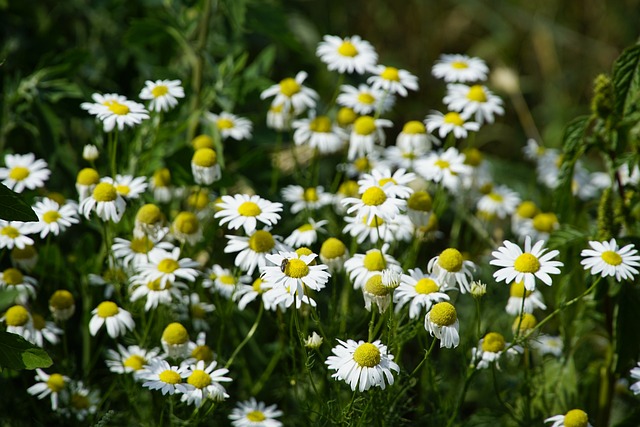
x=626 y=79
x=13 y=208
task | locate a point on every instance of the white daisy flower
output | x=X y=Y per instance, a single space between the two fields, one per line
x=364 y=99
x=532 y=300
x=311 y=198
x=13 y=279
x=392 y=80
x=62 y=305
x=131 y=359
x=518 y=265
x=100 y=101
x=547 y=344
x=489 y=350
x=539 y=227
x=186 y=228
x=18 y=320
x=252 y=413
x=242 y=210
x=53 y=385
x=223 y=281
x=24 y=171
x=230 y=126
x=375 y=201
x=473 y=101
x=451 y=122
x=120 y=113
x=175 y=340
x=196 y=311
x=135 y=252
x=306 y=234
x=247 y=293
x=54 y=218
x=609 y=260
x=295 y=271
x=414 y=138
x=167 y=266
x=451 y=269
x=442 y=322
x=82 y=401
x=379 y=288
x=161 y=185
x=360 y=267
x=319 y=133
x=366 y=132
x=291 y=94
x=44 y=330
x=362 y=364
x=162 y=93
x=86 y=182
x=447 y=167
x=420 y=290
x=205 y=167
x=160 y=375
x=14 y=234
x=203 y=382
x=154 y=293
x=573 y=418
x=381 y=176
x=348 y=55
x=279 y=117
x=460 y=68
x=105 y=201
x=363 y=229
x=635 y=374
x=128 y=186
x=252 y=250
x=334 y=253
x=280 y=297
x=116 y=319
x=501 y=202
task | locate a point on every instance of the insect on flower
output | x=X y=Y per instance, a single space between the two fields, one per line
x=284 y=264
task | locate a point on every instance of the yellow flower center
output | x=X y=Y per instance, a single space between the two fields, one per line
x=526 y=263
x=362 y=164
x=38 y=322
x=107 y=309
x=364 y=125
x=321 y=124
x=527 y=323
x=420 y=201
x=135 y=362
x=346 y=116
x=18 y=173
x=116 y=108
x=186 y=223
x=442 y=164
x=376 y=221
x=204 y=157
x=518 y=290
x=105 y=192
x=169 y=377
x=227 y=280
x=168 y=265
x=451 y=260
x=611 y=258
x=142 y=245
x=55 y=383
x=390 y=73
x=12 y=276
x=459 y=65
x=350 y=188
x=305 y=227
x=367 y=355
x=202 y=141
x=175 y=334
x=472 y=157
x=375 y=286
x=414 y=127
x=224 y=123
x=202 y=352
x=545 y=222
x=476 y=93
x=123 y=189
x=199 y=379
x=443 y=314
x=51 y=216
x=332 y=248
x=310 y=195
x=249 y=209
x=366 y=98
x=576 y=418
x=257 y=285
x=493 y=342
x=296 y=268
x=289 y=87
x=426 y=286
x=16 y=316
x=155 y=285
x=199 y=199
x=162 y=177
x=496 y=197
x=159 y=91
x=80 y=402
x=527 y=209
x=374 y=261
x=88 y=176
x=261 y=241
x=347 y=49
x=383 y=181
x=453 y=119
x=256 y=416
x=373 y=196
x=10 y=232
x=61 y=300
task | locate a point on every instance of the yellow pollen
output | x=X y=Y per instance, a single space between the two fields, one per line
x=16 y=316
x=321 y=124
x=374 y=260
x=517 y=290
x=364 y=125
x=366 y=98
x=611 y=258
x=38 y=322
x=414 y=127
x=199 y=199
x=261 y=241
x=169 y=377
x=367 y=355
x=346 y=116
x=526 y=263
x=227 y=280
x=199 y=379
x=186 y=223
x=88 y=176
x=493 y=342
x=383 y=181
x=10 y=232
x=332 y=248
x=545 y=222
x=350 y=188
x=310 y=195
x=442 y=164
x=390 y=73
x=256 y=416
x=451 y=260
x=155 y=285
x=51 y=216
x=175 y=334
x=426 y=286
x=375 y=286
x=18 y=173
x=142 y=245
x=376 y=221
x=459 y=65
x=527 y=209
x=527 y=323
x=347 y=49
x=162 y=177
x=249 y=209
x=296 y=268
x=123 y=189
x=453 y=118
x=12 y=277
x=204 y=157
x=202 y=141
x=55 y=383
x=159 y=91
x=202 y=352
x=168 y=265
x=305 y=227
x=443 y=314
x=476 y=93
x=135 y=362
x=107 y=309
x=225 y=124
x=105 y=192
x=289 y=87
x=373 y=196
x=420 y=201
x=576 y=418
x=362 y=164
x=116 y=108
x=61 y=300
x=496 y=197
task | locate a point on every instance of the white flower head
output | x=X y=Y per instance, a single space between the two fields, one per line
x=242 y=210
x=451 y=269
x=442 y=322
x=252 y=413
x=291 y=94
x=420 y=291
x=53 y=385
x=347 y=55
x=573 y=418
x=365 y=134
x=475 y=102
x=24 y=171
x=105 y=200
x=54 y=218
x=15 y=234
x=392 y=80
x=319 y=133
x=203 y=382
x=295 y=272
x=446 y=167
x=160 y=375
x=460 y=68
x=120 y=113
x=365 y=100
x=230 y=126
x=163 y=94
x=452 y=122
x=116 y=319
x=609 y=260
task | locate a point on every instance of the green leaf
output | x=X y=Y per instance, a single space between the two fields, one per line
x=13 y=208
x=7 y=298
x=18 y=353
x=566 y=236
x=626 y=80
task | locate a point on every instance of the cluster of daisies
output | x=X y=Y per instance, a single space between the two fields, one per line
x=386 y=197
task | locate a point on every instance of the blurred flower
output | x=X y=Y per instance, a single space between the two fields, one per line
x=306 y=234
x=175 y=340
x=532 y=299
x=160 y=375
x=381 y=176
x=86 y=182
x=489 y=350
x=366 y=132
x=291 y=95
x=14 y=234
x=135 y=252
x=18 y=321
x=154 y=293
x=25 y=258
x=230 y=126
x=242 y=210
x=446 y=167
x=459 y=68
x=128 y=186
x=90 y=152
x=24 y=171
x=186 y=228
x=162 y=93
x=635 y=374
x=334 y=253
x=120 y=112
x=319 y=133
x=49 y=385
x=573 y=418
x=251 y=413
x=82 y=401
x=365 y=99
x=223 y=281
x=101 y=101
x=609 y=260
x=451 y=122
x=501 y=202
x=547 y=344
x=62 y=305
x=351 y=54
x=244 y=294
x=279 y=117
x=44 y=330
x=54 y=218
x=160 y=184
x=167 y=266
x=205 y=167
x=360 y=267
x=392 y=80
x=311 y=198
x=473 y=101
x=13 y=279
x=116 y=319
x=129 y=359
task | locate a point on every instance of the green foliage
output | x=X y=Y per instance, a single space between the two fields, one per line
x=18 y=353
x=13 y=208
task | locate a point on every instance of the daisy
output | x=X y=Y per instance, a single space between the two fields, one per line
x=175 y=340
x=381 y=176
x=518 y=265
x=374 y=229
x=419 y=208
x=420 y=290
x=414 y=138
x=392 y=80
x=101 y=101
x=246 y=293
x=161 y=185
x=539 y=227
x=279 y=117
x=295 y=272
x=351 y=54
x=282 y=297
x=128 y=186
x=167 y=266
x=242 y=210
x=319 y=133
x=49 y=385
x=311 y=198
x=121 y=113
x=54 y=218
x=150 y=222
x=442 y=322
x=252 y=413
x=525 y=212
x=105 y=201
x=489 y=350
x=375 y=201
x=362 y=364
x=25 y=258
x=473 y=101
x=200 y=351
x=224 y=281
x=379 y=288
x=154 y=294
x=44 y=330
x=547 y=344
x=14 y=234
x=195 y=310
x=135 y=252
x=252 y=250
x=459 y=68
x=129 y=359
x=160 y=375
x=306 y=234
x=86 y=182
x=62 y=305
x=447 y=167
x=205 y=167
x=18 y=321
x=635 y=374
x=532 y=300
x=360 y=267
x=13 y=279
x=501 y=202
x=451 y=122
x=82 y=401
x=162 y=93
x=230 y=126
x=573 y=418
x=203 y=382
x=364 y=99
x=452 y=269
x=186 y=228
x=609 y=260
x=291 y=94
x=117 y=320
x=334 y=253
x=366 y=132
x=24 y=171
x=346 y=117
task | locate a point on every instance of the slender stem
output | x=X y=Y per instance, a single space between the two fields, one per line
x=426 y=356
x=372 y=321
x=247 y=338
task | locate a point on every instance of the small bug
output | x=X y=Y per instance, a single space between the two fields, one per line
x=283 y=265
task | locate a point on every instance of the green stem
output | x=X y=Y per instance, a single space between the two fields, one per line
x=467 y=381
x=246 y=339
x=424 y=359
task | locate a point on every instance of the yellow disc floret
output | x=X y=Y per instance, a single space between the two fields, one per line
x=426 y=286
x=261 y=241
x=149 y=214
x=526 y=263
x=204 y=157
x=55 y=383
x=296 y=268
x=367 y=355
x=107 y=309
x=374 y=196
x=61 y=300
x=375 y=286
x=332 y=248
x=289 y=87
x=88 y=176
x=414 y=127
x=347 y=49
x=12 y=277
x=364 y=125
x=175 y=334
x=390 y=73
x=170 y=377
x=420 y=201
x=19 y=173
x=168 y=265
x=249 y=209
x=321 y=124
x=16 y=316
x=493 y=342
x=199 y=379
x=453 y=119
x=374 y=260
x=105 y=192
x=186 y=223
x=611 y=258
x=576 y=418
x=443 y=314
x=134 y=362
x=451 y=260
x=476 y=93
